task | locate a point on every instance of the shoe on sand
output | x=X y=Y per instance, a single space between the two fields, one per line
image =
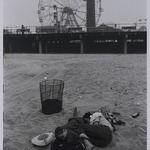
x=119 y=122
x=136 y=115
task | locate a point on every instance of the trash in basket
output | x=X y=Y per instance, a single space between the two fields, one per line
x=51 y=92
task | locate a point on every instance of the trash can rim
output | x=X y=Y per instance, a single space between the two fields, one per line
x=52 y=80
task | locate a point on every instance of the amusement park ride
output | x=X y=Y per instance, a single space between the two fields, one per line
x=68 y=15
x=72 y=16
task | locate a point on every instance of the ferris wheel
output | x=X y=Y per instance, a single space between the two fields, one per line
x=66 y=13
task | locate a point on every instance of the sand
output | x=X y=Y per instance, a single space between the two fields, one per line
x=91 y=81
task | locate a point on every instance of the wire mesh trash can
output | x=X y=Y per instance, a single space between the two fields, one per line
x=51 y=92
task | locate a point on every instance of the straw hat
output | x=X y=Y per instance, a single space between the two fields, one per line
x=43 y=139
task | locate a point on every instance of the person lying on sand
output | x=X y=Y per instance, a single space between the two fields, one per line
x=101 y=134
x=96 y=119
x=67 y=139
x=91 y=134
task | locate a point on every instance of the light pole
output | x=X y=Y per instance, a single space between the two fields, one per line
x=56 y=18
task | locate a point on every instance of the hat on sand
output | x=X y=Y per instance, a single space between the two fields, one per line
x=43 y=139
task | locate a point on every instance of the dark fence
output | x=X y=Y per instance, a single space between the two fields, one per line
x=96 y=42
x=64 y=48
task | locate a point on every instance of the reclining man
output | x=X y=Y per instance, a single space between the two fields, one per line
x=83 y=131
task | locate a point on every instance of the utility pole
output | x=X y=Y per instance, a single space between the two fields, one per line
x=56 y=18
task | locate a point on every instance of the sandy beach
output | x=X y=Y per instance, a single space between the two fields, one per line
x=91 y=82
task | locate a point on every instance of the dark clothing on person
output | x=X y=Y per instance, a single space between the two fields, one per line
x=59 y=144
x=72 y=140
x=99 y=135
x=72 y=137
x=73 y=124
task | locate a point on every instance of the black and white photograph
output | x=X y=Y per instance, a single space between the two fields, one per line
x=74 y=75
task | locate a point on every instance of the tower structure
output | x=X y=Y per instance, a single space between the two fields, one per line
x=90 y=18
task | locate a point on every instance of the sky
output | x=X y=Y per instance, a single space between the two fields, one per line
x=18 y=12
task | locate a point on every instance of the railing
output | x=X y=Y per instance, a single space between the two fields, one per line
x=53 y=29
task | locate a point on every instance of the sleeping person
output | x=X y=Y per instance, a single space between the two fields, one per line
x=96 y=119
x=77 y=129
x=97 y=128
